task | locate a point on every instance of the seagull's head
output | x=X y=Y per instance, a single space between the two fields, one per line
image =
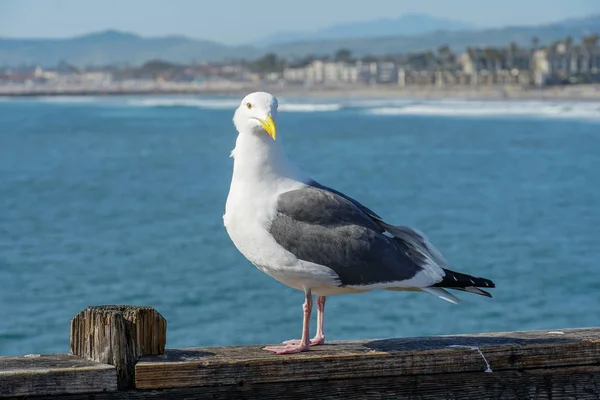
x=257 y=114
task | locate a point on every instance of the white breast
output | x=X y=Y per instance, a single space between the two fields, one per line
x=261 y=172
x=247 y=220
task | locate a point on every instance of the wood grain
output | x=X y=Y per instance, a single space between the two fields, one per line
x=558 y=364
x=249 y=365
x=54 y=374
x=540 y=384
x=118 y=335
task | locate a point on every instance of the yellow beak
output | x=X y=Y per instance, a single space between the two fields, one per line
x=269 y=126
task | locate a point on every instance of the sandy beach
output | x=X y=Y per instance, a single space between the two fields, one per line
x=567 y=92
x=575 y=92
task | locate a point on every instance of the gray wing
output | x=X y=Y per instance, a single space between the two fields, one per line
x=326 y=228
x=411 y=237
x=364 y=209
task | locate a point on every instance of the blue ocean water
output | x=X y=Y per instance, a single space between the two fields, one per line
x=120 y=201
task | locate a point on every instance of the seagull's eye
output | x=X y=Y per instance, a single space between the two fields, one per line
x=249 y=106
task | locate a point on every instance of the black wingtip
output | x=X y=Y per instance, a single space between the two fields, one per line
x=466 y=283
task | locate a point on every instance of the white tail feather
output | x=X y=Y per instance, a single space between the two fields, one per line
x=473 y=289
x=442 y=294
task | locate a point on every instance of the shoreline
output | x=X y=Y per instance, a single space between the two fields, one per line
x=568 y=92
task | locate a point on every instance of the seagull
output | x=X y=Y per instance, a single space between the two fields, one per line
x=316 y=239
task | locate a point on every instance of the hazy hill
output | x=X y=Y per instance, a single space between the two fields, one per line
x=112 y=47
x=405 y=25
x=457 y=40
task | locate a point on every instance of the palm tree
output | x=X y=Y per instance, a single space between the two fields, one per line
x=445 y=54
x=491 y=58
x=343 y=55
x=369 y=58
x=268 y=63
x=513 y=47
x=569 y=54
x=568 y=42
x=589 y=41
x=535 y=41
x=430 y=57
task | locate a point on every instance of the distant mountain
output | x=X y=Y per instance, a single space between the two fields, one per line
x=457 y=40
x=118 y=48
x=405 y=25
x=114 y=47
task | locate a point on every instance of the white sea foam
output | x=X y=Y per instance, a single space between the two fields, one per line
x=299 y=107
x=220 y=104
x=228 y=104
x=375 y=103
x=66 y=99
x=583 y=110
x=380 y=107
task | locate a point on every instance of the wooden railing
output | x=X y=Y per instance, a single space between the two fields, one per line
x=118 y=352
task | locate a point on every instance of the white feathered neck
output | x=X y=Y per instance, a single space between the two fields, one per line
x=260 y=159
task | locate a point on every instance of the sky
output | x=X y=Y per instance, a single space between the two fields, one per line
x=244 y=21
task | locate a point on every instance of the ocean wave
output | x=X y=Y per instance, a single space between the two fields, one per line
x=299 y=107
x=66 y=99
x=459 y=108
x=227 y=104
x=376 y=103
x=557 y=109
x=218 y=104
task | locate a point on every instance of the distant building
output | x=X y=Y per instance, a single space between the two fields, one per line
x=387 y=72
x=568 y=64
x=496 y=66
x=294 y=75
x=561 y=63
x=322 y=72
x=366 y=72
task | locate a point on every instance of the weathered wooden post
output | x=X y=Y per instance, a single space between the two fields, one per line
x=118 y=335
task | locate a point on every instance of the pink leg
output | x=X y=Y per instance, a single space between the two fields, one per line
x=303 y=344
x=320 y=336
